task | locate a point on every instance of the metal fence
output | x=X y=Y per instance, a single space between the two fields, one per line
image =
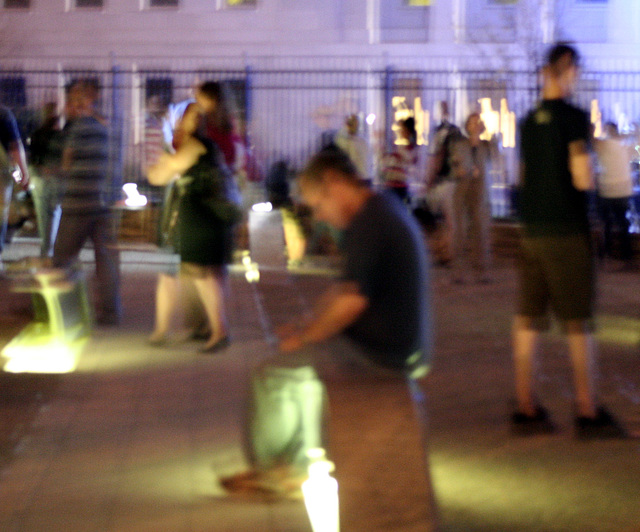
x=285 y=113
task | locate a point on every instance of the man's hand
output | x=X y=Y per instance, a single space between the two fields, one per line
x=291 y=343
x=290 y=337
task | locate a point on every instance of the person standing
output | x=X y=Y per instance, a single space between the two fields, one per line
x=401 y=165
x=615 y=188
x=439 y=181
x=12 y=159
x=470 y=160
x=86 y=203
x=356 y=147
x=556 y=268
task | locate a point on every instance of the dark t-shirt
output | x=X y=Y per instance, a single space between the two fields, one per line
x=549 y=203
x=386 y=257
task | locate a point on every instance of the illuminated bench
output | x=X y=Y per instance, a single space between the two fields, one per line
x=52 y=342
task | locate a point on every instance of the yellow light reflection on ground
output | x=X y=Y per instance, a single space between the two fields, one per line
x=34 y=350
x=618 y=330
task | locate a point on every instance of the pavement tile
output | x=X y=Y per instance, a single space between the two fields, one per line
x=138 y=437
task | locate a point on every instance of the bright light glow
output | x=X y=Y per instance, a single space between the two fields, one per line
x=133 y=197
x=371 y=118
x=320 y=493
x=596 y=118
x=262 y=207
x=619 y=330
x=402 y=111
x=507 y=125
x=501 y=122
x=36 y=351
x=252 y=272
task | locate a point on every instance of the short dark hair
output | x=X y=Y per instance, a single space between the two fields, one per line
x=325 y=160
x=214 y=90
x=562 y=56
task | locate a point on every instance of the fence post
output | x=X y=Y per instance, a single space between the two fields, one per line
x=248 y=97
x=117 y=123
x=388 y=106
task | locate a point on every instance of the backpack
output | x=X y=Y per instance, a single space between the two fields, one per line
x=442 y=167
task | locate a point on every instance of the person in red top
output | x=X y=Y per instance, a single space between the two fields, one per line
x=218 y=126
x=401 y=165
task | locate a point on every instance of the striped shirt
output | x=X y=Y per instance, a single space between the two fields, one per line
x=85 y=178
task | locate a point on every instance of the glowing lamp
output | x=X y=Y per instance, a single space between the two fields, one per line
x=133 y=198
x=252 y=272
x=320 y=493
x=262 y=207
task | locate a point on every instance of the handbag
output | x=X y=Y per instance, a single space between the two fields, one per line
x=226 y=201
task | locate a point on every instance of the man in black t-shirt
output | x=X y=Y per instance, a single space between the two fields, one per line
x=556 y=264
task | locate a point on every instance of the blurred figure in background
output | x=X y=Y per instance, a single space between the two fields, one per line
x=469 y=161
x=440 y=184
x=400 y=167
x=205 y=224
x=46 y=157
x=12 y=160
x=355 y=146
x=86 y=200
x=615 y=189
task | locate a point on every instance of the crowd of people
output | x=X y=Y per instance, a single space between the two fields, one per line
x=377 y=316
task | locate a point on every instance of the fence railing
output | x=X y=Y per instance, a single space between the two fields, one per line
x=285 y=113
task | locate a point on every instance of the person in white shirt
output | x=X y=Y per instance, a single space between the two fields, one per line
x=614 y=186
x=355 y=146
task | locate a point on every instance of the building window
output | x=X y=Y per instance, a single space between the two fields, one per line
x=161 y=87
x=13 y=91
x=239 y=3
x=18 y=4
x=163 y=3
x=404 y=21
x=89 y=3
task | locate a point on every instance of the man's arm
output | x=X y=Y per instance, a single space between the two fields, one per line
x=338 y=308
x=580 y=165
x=169 y=165
x=17 y=155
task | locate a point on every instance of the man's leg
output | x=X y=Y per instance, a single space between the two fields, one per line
x=620 y=206
x=480 y=222
x=6 y=191
x=525 y=344
x=419 y=399
x=458 y=230
x=582 y=352
x=72 y=234
x=107 y=258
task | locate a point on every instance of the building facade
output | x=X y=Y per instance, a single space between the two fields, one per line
x=297 y=67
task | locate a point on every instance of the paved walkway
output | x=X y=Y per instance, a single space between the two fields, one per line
x=137 y=438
